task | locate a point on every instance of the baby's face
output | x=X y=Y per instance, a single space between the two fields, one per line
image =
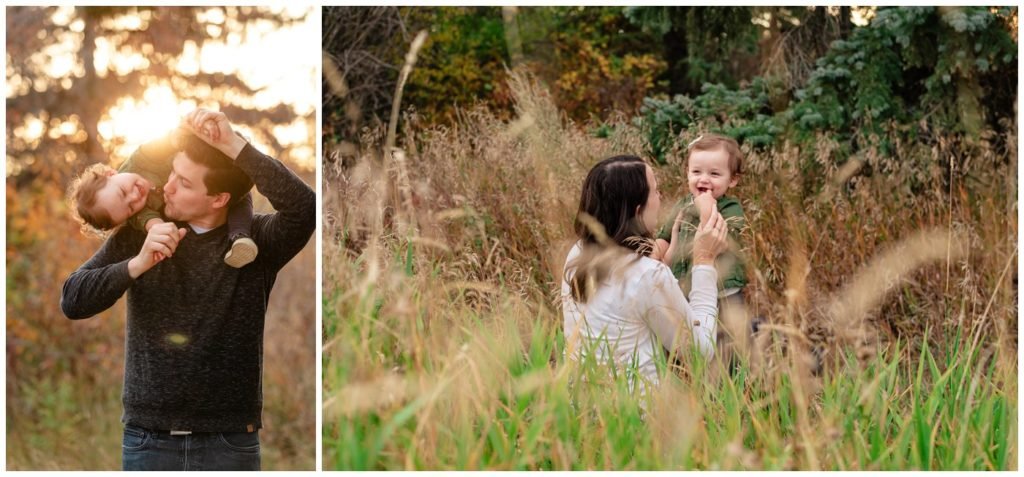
x=123 y=196
x=708 y=171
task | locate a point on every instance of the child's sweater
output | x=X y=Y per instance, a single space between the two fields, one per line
x=153 y=161
x=731 y=270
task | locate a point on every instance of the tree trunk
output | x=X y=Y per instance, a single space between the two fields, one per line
x=512 y=40
x=90 y=114
x=676 y=55
x=845 y=22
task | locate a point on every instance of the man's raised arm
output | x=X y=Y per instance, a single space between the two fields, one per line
x=281 y=235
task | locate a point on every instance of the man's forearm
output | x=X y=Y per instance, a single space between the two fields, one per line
x=287 y=192
x=89 y=291
x=102 y=280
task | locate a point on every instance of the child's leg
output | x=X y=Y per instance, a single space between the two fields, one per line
x=243 y=248
x=733 y=329
x=240 y=218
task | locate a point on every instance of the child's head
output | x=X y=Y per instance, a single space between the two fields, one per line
x=714 y=165
x=104 y=198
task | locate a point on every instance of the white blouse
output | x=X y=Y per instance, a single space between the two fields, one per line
x=640 y=299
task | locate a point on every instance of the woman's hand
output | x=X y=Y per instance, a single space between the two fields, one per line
x=710 y=239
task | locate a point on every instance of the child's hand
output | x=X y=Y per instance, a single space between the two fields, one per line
x=214 y=128
x=660 y=247
x=705 y=204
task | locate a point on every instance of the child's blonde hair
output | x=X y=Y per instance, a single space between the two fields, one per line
x=82 y=194
x=711 y=142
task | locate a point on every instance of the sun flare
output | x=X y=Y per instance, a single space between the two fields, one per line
x=136 y=122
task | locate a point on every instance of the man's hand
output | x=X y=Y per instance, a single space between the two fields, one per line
x=214 y=128
x=161 y=240
x=705 y=205
x=157 y=256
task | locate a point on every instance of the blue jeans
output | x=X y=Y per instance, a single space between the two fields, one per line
x=145 y=449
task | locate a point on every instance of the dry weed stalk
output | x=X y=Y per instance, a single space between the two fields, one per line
x=334 y=77
x=403 y=76
x=849 y=309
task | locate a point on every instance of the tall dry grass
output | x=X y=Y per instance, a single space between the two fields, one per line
x=891 y=315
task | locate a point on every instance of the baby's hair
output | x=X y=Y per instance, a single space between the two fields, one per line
x=711 y=142
x=82 y=194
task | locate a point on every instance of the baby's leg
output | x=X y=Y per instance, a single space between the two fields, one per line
x=733 y=329
x=240 y=218
x=243 y=248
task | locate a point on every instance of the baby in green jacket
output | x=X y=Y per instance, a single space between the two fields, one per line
x=713 y=167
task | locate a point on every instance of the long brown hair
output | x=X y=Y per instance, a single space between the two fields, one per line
x=607 y=222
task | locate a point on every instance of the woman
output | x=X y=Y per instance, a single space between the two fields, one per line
x=615 y=299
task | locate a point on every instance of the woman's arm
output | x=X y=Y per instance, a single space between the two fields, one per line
x=668 y=310
x=704 y=305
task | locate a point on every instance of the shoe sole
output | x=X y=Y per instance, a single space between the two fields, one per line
x=240 y=255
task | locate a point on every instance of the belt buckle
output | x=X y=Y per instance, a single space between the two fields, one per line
x=180 y=433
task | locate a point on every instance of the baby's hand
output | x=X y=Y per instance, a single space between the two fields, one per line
x=705 y=204
x=660 y=247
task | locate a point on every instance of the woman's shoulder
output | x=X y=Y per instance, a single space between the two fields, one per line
x=647 y=268
x=574 y=251
x=633 y=267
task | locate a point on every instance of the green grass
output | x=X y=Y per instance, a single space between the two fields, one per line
x=492 y=390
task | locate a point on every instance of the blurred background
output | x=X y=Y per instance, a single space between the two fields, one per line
x=88 y=85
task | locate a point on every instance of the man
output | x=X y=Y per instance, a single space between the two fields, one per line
x=194 y=348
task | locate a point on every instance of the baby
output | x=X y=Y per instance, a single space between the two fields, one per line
x=713 y=167
x=105 y=199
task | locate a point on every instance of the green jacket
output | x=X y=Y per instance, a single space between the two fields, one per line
x=152 y=161
x=731 y=269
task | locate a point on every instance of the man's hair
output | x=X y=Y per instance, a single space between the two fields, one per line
x=82 y=194
x=711 y=142
x=223 y=175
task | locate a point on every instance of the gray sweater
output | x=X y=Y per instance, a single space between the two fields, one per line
x=194 y=338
